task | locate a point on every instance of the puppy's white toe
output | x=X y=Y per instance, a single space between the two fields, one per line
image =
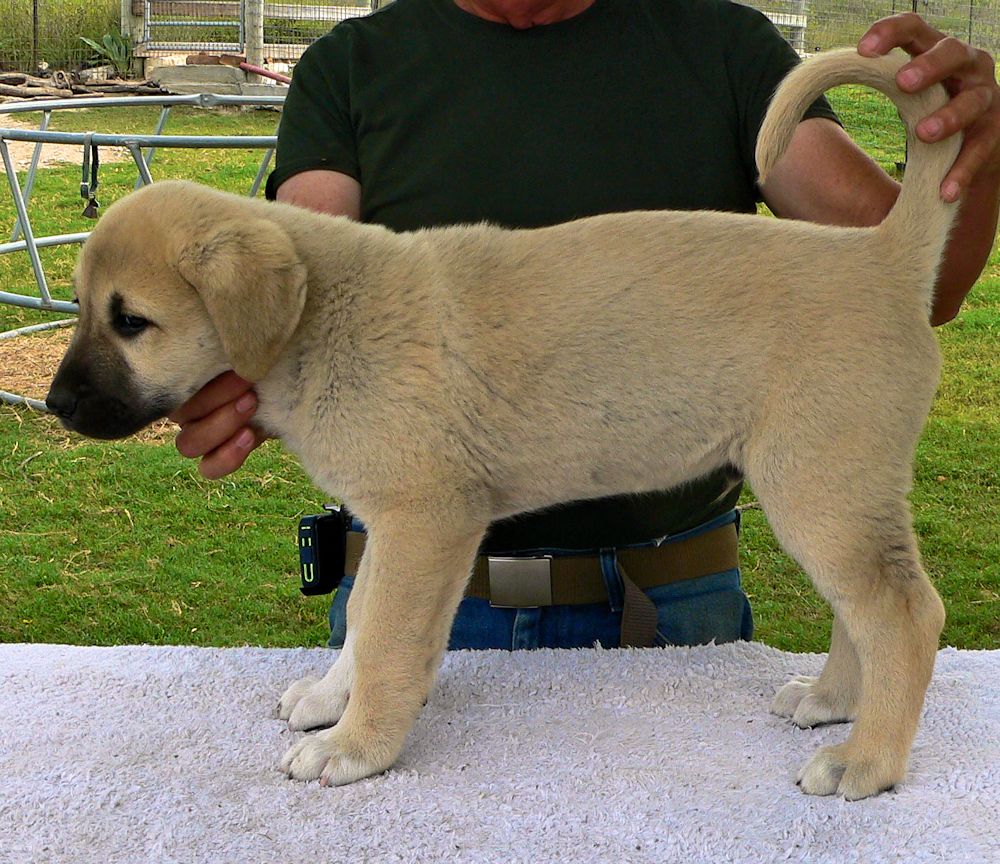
x=306 y=758
x=787 y=699
x=807 y=705
x=314 y=704
x=815 y=710
x=821 y=774
x=327 y=757
x=290 y=698
x=342 y=769
x=320 y=707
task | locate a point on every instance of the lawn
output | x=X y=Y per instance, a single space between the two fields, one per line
x=124 y=543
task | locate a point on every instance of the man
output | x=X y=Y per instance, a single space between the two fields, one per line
x=531 y=112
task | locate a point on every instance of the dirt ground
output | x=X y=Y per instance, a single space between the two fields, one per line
x=52 y=154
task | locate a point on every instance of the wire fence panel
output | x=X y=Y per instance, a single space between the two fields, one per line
x=284 y=28
x=47 y=33
x=841 y=23
x=190 y=25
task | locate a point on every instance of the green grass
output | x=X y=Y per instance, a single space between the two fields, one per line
x=124 y=543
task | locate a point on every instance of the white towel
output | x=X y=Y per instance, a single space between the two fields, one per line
x=137 y=754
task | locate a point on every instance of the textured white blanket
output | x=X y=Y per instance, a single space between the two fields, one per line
x=139 y=754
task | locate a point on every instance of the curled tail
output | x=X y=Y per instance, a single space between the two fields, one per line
x=920 y=219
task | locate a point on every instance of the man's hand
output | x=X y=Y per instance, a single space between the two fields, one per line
x=968 y=75
x=215 y=422
x=215 y=425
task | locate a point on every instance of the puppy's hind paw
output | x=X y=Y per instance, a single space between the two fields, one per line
x=787 y=699
x=807 y=705
x=290 y=698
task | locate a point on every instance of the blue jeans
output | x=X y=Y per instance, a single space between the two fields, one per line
x=690 y=612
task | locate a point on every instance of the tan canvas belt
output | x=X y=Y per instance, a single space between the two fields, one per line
x=531 y=581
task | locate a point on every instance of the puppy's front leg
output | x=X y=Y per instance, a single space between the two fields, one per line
x=312 y=703
x=419 y=562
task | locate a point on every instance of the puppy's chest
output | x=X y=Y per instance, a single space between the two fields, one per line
x=309 y=418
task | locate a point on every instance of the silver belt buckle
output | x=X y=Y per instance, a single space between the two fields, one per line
x=520 y=583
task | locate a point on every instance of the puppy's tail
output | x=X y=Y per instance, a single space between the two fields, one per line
x=920 y=220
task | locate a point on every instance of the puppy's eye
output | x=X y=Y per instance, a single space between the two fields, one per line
x=129 y=325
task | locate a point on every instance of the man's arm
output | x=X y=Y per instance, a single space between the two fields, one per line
x=323 y=191
x=824 y=177
x=215 y=422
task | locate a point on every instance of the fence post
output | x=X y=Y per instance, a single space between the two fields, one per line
x=34 y=37
x=131 y=24
x=254 y=18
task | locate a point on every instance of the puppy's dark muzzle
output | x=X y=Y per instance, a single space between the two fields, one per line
x=80 y=410
x=61 y=402
x=96 y=399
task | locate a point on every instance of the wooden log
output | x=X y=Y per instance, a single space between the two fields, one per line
x=139 y=88
x=32 y=92
x=21 y=79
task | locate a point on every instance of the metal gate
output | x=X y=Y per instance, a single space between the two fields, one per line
x=193 y=25
x=276 y=29
x=24 y=239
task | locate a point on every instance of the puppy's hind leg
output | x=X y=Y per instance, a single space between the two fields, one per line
x=861 y=554
x=830 y=698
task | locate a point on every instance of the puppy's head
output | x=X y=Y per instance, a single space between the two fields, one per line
x=176 y=284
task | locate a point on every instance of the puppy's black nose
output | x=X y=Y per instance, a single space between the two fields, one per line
x=61 y=402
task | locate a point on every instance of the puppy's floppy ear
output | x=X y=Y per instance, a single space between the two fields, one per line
x=249 y=276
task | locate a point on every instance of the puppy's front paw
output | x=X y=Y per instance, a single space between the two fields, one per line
x=314 y=703
x=332 y=757
x=807 y=705
x=291 y=697
x=837 y=770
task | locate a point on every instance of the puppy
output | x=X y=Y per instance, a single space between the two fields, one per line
x=439 y=380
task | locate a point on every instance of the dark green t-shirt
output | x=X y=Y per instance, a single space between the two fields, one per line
x=445 y=118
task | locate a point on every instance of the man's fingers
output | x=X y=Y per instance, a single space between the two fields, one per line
x=201 y=436
x=230 y=456
x=226 y=388
x=962 y=112
x=215 y=425
x=906 y=30
x=978 y=151
x=948 y=59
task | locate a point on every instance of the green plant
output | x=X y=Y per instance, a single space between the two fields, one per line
x=115 y=49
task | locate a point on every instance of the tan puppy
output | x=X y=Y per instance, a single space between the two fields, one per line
x=439 y=380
